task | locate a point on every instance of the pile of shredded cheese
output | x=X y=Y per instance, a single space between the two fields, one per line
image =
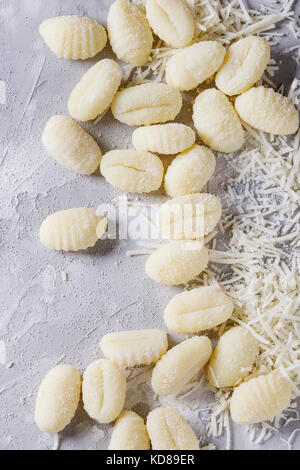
x=255 y=255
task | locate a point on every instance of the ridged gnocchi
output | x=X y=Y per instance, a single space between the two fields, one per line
x=73 y=37
x=216 y=121
x=233 y=358
x=129 y=433
x=171 y=20
x=149 y=103
x=94 y=93
x=260 y=399
x=194 y=64
x=243 y=66
x=190 y=171
x=132 y=170
x=57 y=398
x=103 y=391
x=198 y=310
x=134 y=348
x=129 y=32
x=164 y=138
x=267 y=111
x=189 y=217
x=177 y=262
x=169 y=431
x=178 y=367
x=72 y=229
x=71 y=146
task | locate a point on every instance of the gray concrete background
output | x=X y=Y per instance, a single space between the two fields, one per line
x=45 y=319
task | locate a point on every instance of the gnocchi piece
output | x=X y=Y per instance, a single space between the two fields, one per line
x=57 y=398
x=233 y=358
x=260 y=399
x=146 y=104
x=177 y=262
x=73 y=37
x=130 y=433
x=164 y=138
x=94 y=93
x=169 y=431
x=189 y=217
x=134 y=348
x=129 y=32
x=172 y=21
x=72 y=229
x=190 y=171
x=267 y=111
x=194 y=64
x=71 y=146
x=216 y=121
x=244 y=64
x=198 y=310
x=132 y=171
x=180 y=365
x=103 y=391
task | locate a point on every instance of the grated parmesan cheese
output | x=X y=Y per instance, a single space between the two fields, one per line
x=255 y=256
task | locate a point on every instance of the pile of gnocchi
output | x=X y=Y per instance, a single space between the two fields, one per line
x=220 y=112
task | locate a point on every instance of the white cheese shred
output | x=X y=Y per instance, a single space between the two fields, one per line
x=255 y=255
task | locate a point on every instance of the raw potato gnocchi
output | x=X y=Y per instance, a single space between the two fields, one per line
x=57 y=398
x=244 y=64
x=260 y=399
x=189 y=217
x=132 y=171
x=233 y=358
x=129 y=32
x=73 y=37
x=198 y=310
x=172 y=21
x=180 y=365
x=71 y=146
x=149 y=103
x=130 y=433
x=169 y=431
x=164 y=138
x=177 y=262
x=194 y=64
x=72 y=229
x=94 y=93
x=103 y=391
x=134 y=348
x=216 y=121
x=267 y=111
x=190 y=171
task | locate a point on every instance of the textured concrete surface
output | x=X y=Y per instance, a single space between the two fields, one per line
x=55 y=307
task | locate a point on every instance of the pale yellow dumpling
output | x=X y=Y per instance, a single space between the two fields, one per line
x=132 y=170
x=260 y=399
x=129 y=32
x=243 y=66
x=149 y=103
x=171 y=20
x=57 y=398
x=94 y=93
x=267 y=111
x=194 y=64
x=216 y=121
x=168 y=430
x=177 y=262
x=103 y=391
x=72 y=229
x=71 y=146
x=73 y=37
